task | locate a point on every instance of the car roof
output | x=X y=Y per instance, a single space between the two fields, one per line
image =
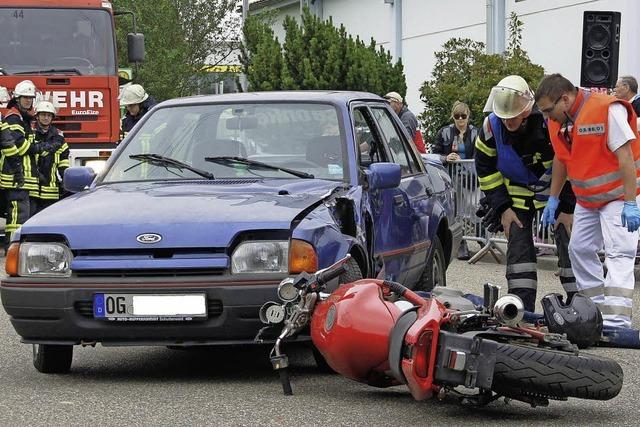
x=331 y=97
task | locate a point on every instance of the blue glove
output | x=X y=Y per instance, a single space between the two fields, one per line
x=631 y=216
x=549 y=213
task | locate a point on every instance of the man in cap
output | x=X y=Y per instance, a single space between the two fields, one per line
x=407 y=118
x=137 y=102
x=513 y=160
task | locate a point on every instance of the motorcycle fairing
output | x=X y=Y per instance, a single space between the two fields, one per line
x=429 y=316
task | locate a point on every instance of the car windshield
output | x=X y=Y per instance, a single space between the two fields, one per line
x=73 y=41
x=298 y=137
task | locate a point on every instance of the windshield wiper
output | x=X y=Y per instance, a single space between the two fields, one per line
x=243 y=161
x=158 y=160
x=52 y=70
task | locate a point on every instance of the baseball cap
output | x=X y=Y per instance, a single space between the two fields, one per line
x=394 y=96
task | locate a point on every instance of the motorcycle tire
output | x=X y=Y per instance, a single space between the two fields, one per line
x=530 y=371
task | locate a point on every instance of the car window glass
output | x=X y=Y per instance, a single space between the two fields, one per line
x=370 y=149
x=397 y=148
x=302 y=136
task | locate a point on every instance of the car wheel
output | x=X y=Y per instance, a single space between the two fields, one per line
x=435 y=272
x=353 y=272
x=52 y=359
x=321 y=362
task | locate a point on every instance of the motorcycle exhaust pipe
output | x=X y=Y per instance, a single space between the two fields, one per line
x=509 y=309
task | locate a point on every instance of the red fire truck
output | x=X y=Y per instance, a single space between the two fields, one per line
x=68 y=49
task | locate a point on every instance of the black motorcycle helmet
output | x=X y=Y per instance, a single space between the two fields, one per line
x=580 y=320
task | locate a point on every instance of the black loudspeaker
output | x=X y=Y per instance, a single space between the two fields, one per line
x=600 y=47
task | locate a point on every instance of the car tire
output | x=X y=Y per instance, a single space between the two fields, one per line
x=52 y=359
x=352 y=274
x=321 y=362
x=435 y=272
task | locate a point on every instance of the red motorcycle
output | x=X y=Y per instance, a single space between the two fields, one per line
x=383 y=334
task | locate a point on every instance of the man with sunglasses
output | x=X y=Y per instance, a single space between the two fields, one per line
x=513 y=160
x=596 y=147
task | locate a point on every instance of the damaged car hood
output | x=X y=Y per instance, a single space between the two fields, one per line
x=192 y=214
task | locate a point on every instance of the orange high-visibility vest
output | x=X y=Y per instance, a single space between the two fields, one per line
x=592 y=168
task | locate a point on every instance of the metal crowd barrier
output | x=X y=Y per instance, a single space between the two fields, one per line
x=467 y=200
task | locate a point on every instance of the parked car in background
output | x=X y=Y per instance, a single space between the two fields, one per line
x=208 y=204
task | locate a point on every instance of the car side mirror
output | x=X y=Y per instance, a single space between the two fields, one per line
x=77 y=179
x=383 y=175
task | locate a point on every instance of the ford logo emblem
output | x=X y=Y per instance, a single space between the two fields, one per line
x=148 y=238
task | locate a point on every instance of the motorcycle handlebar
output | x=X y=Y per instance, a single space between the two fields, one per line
x=327 y=276
x=395 y=287
x=405 y=292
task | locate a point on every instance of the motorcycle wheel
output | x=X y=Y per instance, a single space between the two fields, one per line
x=435 y=272
x=530 y=371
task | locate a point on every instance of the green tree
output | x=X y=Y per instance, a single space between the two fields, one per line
x=182 y=38
x=464 y=72
x=316 y=55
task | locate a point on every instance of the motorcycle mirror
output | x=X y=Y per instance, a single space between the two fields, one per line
x=491 y=293
x=271 y=313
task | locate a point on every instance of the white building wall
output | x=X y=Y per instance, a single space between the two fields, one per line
x=552 y=32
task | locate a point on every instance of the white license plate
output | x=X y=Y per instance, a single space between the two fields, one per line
x=147 y=307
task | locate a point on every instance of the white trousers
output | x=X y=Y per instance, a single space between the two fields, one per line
x=594 y=229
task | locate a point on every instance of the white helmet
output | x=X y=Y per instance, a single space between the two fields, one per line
x=45 y=107
x=25 y=88
x=510 y=97
x=4 y=95
x=133 y=94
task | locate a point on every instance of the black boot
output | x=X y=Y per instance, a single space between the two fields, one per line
x=528 y=297
x=463 y=251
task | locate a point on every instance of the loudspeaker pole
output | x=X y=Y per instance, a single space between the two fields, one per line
x=496 y=21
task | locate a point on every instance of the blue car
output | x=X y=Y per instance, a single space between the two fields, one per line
x=208 y=204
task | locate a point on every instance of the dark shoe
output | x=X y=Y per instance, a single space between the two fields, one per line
x=463 y=251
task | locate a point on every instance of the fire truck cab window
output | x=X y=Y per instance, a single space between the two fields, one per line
x=64 y=40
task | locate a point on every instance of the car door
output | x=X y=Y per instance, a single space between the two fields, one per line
x=415 y=190
x=391 y=214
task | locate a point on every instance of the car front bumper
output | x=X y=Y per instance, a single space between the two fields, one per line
x=62 y=313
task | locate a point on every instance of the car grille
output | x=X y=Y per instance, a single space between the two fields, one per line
x=150 y=273
x=85 y=308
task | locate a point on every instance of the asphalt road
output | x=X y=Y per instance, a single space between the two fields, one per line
x=235 y=386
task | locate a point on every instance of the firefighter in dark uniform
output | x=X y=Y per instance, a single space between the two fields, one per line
x=17 y=177
x=53 y=158
x=513 y=160
x=137 y=102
